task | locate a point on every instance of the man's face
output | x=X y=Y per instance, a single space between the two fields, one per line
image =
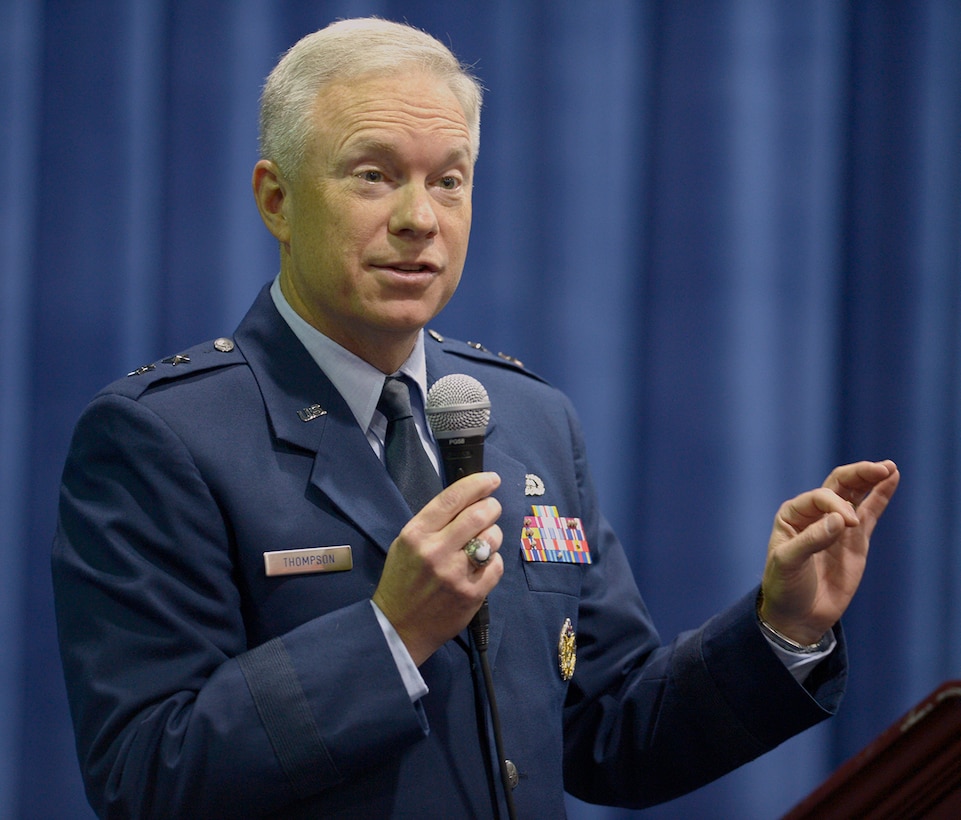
x=379 y=216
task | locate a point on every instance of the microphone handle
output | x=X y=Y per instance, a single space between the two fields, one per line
x=461 y=455
x=464 y=455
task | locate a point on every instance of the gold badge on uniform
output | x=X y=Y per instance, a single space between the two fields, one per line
x=567 y=650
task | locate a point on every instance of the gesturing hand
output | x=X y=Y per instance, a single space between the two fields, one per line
x=819 y=548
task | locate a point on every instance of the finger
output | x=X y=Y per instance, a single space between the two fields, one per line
x=494 y=536
x=814 y=539
x=494 y=563
x=884 y=489
x=453 y=500
x=801 y=512
x=854 y=482
x=470 y=521
x=876 y=502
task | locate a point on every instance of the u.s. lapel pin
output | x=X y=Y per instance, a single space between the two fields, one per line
x=315 y=411
x=567 y=650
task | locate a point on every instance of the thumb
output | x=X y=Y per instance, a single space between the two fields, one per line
x=816 y=538
x=832 y=524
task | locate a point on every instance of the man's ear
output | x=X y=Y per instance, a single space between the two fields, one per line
x=270 y=192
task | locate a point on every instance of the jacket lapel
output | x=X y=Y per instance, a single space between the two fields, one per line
x=346 y=470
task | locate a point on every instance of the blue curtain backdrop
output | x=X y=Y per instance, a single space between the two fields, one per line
x=731 y=231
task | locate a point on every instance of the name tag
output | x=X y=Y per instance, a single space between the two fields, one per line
x=312 y=559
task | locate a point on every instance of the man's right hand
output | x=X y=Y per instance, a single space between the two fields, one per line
x=430 y=589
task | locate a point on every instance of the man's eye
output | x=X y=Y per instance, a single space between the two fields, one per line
x=371 y=176
x=449 y=183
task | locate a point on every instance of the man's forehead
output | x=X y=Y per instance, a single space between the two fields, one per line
x=414 y=92
x=376 y=112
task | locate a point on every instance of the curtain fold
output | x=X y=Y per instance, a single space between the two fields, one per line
x=19 y=91
x=730 y=230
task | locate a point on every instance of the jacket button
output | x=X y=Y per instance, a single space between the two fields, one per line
x=512 y=776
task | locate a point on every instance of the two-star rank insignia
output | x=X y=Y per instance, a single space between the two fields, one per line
x=175 y=360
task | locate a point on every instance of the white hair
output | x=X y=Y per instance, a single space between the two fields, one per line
x=344 y=50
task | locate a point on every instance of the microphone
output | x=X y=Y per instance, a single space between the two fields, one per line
x=458 y=412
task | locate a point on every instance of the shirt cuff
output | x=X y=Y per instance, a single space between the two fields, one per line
x=800 y=665
x=413 y=681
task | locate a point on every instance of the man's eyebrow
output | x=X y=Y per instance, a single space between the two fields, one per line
x=378 y=147
x=371 y=146
x=456 y=155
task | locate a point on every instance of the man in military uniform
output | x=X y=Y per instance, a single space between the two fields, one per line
x=256 y=621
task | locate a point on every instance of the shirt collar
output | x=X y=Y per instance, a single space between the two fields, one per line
x=359 y=382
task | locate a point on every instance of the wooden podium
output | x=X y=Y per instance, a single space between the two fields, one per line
x=912 y=770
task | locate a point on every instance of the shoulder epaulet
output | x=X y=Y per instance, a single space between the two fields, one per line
x=477 y=351
x=206 y=356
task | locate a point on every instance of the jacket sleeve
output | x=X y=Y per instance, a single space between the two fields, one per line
x=175 y=714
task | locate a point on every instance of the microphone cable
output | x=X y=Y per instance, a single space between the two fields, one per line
x=480 y=633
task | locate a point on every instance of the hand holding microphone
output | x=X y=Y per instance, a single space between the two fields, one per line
x=430 y=589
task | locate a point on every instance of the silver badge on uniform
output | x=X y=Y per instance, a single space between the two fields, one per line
x=533 y=485
x=315 y=411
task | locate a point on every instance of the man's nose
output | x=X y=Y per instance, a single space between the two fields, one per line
x=414 y=213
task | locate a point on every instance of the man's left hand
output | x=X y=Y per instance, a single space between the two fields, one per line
x=819 y=548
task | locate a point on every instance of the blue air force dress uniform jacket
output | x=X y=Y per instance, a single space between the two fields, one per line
x=202 y=687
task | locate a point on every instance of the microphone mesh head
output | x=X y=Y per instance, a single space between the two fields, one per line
x=457 y=407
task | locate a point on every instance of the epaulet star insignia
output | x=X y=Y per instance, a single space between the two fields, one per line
x=222 y=345
x=512 y=359
x=175 y=360
x=437 y=337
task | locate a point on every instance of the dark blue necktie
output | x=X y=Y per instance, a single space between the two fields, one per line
x=407 y=461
